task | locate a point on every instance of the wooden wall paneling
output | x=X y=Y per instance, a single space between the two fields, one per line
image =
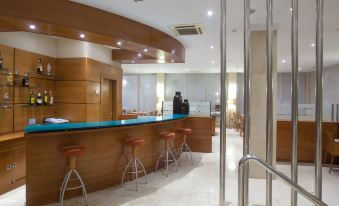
x=77 y=92
x=72 y=112
x=7 y=54
x=71 y=68
x=92 y=113
x=26 y=61
x=201 y=138
x=6 y=120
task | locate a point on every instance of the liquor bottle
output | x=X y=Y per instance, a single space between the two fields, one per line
x=49 y=68
x=45 y=99
x=1 y=61
x=10 y=79
x=16 y=79
x=39 y=99
x=5 y=101
x=31 y=98
x=25 y=80
x=51 y=98
x=39 y=67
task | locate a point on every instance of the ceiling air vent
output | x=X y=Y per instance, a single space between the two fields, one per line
x=188 y=29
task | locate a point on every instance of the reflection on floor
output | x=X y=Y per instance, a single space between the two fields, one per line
x=199 y=185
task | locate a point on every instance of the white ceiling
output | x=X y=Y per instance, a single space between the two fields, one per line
x=199 y=57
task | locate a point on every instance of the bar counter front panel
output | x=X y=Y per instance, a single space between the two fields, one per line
x=105 y=155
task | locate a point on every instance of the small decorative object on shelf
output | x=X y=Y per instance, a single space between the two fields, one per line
x=49 y=68
x=5 y=100
x=39 y=67
x=25 y=80
x=10 y=79
x=16 y=78
x=31 y=98
x=45 y=99
x=51 y=98
x=1 y=61
x=39 y=99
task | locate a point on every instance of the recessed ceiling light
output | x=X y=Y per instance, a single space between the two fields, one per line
x=291 y=9
x=172 y=60
x=186 y=69
x=137 y=70
x=211 y=47
x=213 y=69
x=119 y=43
x=212 y=62
x=299 y=68
x=312 y=45
x=139 y=55
x=82 y=36
x=283 y=61
x=133 y=61
x=145 y=50
x=210 y=13
x=32 y=26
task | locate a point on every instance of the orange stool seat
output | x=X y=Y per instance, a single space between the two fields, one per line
x=185 y=130
x=167 y=135
x=72 y=151
x=135 y=141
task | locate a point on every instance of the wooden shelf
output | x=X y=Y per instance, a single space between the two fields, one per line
x=11 y=136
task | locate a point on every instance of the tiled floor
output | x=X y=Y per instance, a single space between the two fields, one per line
x=199 y=185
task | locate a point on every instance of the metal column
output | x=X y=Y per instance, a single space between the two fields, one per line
x=294 y=113
x=269 y=102
x=319 y=98
x=222 y=185
x=247 y=86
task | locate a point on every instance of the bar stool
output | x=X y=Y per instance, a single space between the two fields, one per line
x=72 y=152
x=166 y=152
x=184 y=146
x=135 y=161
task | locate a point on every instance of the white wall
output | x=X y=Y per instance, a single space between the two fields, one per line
x=36 y=43
x=56 y=47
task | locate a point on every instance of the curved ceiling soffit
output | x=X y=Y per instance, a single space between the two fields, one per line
x=138 y=42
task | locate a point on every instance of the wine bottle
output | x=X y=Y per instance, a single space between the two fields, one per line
x=1 y=61
x=39 y=67
x=16 y=78
x=10 y=79
x=39 y=99
x=45 y=99
x=51 y=98
x=31 y=98
x=49 y=68
x=25 y=80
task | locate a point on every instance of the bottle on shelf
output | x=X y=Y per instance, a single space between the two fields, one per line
x=1 y=61
x=10 y=79
x=39 y=99
x=51 y=98
x=39 y=67
x=45 y=99
x=25 y=80
x=16 y=78
x=32 y=99
x=5 y=100
x=49 y=68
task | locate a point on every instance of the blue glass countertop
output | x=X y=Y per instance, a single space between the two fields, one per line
x=39 y=128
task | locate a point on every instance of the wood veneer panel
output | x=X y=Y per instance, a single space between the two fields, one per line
x=104 y=149
x=6 y=120
x=7 y=54
x=77 y=92
x=306 y=139
x=201 y=138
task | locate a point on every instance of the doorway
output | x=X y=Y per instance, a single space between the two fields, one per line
x=108 y=99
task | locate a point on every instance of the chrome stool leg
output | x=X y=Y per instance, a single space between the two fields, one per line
x=166 y=153
x=185 y=148
x=134 y=163
x=64 y=188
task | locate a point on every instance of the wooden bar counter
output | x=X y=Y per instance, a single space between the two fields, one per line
x=105 y=154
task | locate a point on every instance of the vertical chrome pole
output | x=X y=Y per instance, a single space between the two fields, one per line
x=295 y=86
x=223 y=84
x=337 y=113
x=332 y=112
x=269 y=102
x=247 y=87
x=319 y=98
